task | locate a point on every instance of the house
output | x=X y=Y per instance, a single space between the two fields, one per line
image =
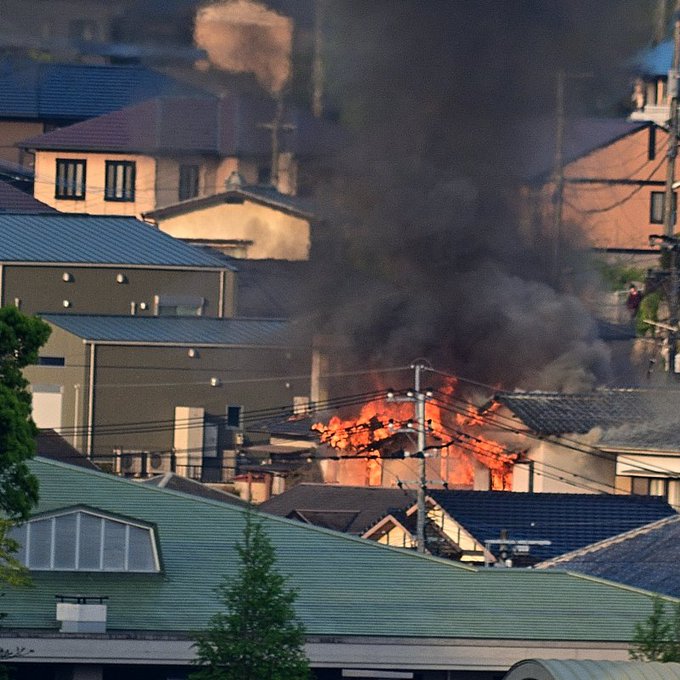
x=39 y=96
x=607 y=440
x=645 y=557
x=650 y=98
x=175 y=482
x=166 y=150
x=255 y=222
x=60 y=263
x=164 y=393
x=612 y=197
x=141 y=581
x=461 y=523
x=554 y=669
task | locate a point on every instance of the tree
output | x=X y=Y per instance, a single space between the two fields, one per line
x=258 y=637
x=658 y=637
x=21 y=337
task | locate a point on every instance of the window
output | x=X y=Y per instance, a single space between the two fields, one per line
x=179 y=305
x=70 y=182
x=656 y=207
x=81 y=540
x=120 y=181
x=51 y=361
x=188 y=181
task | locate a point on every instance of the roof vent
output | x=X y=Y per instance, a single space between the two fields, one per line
x=81 y=613
x=234 y=181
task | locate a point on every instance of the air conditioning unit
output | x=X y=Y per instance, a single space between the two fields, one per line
x=127 y=463
x=157 y=463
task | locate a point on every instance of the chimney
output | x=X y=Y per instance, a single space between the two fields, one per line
x=81 y=613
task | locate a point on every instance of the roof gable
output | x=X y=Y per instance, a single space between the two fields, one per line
x=90 y=239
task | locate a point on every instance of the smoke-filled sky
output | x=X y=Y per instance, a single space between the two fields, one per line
x=423 y=255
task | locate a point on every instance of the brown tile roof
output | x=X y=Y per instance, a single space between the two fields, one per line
x=228 y=126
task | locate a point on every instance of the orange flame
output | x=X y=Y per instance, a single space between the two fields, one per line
x=454 y=439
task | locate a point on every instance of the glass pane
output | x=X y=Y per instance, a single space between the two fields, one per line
x=40 y=544
x=114 y=546
x=140 y=557
x=65 y=542
x=18 y=534
x=89 y=554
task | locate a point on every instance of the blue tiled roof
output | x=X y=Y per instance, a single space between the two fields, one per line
x=76 y=91
x=175 y=330
x=656 y=61
x=569 y=521
x=646 y=558
x=62 y=237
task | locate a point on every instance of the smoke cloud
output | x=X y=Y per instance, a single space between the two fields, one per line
x=424 y=254
x=242 y=36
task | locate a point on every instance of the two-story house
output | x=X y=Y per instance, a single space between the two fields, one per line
x=166 y=150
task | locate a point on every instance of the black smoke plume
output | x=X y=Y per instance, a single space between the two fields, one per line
x=423 y=254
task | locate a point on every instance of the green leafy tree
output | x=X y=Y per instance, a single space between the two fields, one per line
x=21 y=337
x=658 y=637
x=258 y=637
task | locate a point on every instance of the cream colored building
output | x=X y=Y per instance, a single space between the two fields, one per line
x=243 y=221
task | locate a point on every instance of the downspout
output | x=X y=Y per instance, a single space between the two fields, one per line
x=90 y=400
x=221 y=300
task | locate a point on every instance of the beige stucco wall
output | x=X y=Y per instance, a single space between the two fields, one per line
x=94 y=203
x=13 y=131
x=274 y=234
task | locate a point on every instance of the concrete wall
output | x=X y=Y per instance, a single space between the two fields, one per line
x=145 y=384
x=94 y=203
x=275 y=234
x=94 y=290
x=72 y=377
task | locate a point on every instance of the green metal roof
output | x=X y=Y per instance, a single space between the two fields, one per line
x=550 y=669
x=347 y=585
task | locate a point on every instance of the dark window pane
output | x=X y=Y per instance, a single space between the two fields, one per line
x=40 y=544
x=89 y=553
x=114 y=546
x=70 y=182
x=120 y=181
x=65 y=542
x=188 y=182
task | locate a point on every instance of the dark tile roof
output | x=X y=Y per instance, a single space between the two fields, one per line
x=535 y=159
x=646 y=557
x=189 y=486
x=70 y=92
x=354 y=508
x=556 y=413
x=198 y=331
x=51 y=445
x=569 y=521
x=91 y=239
x=263 y=195
x=12 y=200
x=227 y=126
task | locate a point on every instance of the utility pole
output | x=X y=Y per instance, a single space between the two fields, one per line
x=317 y=64
x=669 y=208
x=420 y=432
x=418 y=396
x=276 y=127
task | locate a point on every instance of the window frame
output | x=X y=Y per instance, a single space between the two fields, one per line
x=65 y=190
x=660 y=196
x=24 y=540
x=129 y=179
x=189 y=176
